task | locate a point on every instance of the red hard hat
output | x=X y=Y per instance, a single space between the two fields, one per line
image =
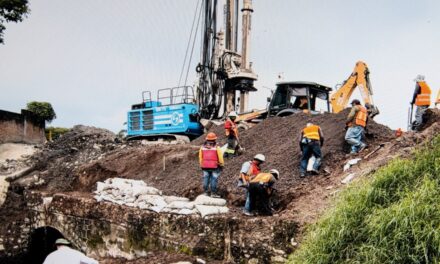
x=211 y=136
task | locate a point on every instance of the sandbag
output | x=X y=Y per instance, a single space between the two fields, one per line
x=181 y=205
x=170 y=199
x=206 y=200
x=205 y=210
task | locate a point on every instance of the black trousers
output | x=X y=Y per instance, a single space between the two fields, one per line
x=259 y=199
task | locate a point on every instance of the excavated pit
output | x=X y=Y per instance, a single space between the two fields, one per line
x=74 y=163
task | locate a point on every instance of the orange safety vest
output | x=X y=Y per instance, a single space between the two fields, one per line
x=262 y=177
x=361 y=117
x=209 y=157
x=311 y=132
x=424 y=97
x=253 y=171
x=231 y=127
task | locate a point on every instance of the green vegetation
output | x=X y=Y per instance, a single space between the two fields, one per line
x=43 y=110
x=392 y=217
x=53 y=133
x=12 y=11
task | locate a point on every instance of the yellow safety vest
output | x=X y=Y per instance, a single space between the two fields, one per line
x=262 y=177
x=311 y=132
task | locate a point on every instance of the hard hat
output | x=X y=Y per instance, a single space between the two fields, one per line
x=62 y=241
x=309 y=124
x=260 y=157
x=355 y=101
x=233 y=114
x=419 y=78
x=211 y=136
x=275 y=173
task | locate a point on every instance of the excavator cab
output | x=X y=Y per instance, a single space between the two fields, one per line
x=295 y=97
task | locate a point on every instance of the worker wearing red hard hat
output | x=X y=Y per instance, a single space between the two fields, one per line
x=211 y=162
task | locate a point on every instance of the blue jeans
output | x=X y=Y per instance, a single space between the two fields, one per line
x=419 y=120
x=210 y=177
x=313 y=148
x=354 y=137
x=247 y=205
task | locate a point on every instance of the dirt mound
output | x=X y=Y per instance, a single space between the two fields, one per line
x=175 y=169
x=432 y=115
x=58 y=161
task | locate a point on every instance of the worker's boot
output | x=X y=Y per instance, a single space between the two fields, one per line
x=302 y=174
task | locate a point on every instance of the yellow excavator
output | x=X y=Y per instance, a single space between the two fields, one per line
x=359 y=78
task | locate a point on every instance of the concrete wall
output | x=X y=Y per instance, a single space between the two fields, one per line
x=21 y=128
x=107 y=230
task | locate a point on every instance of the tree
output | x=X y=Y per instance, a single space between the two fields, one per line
x=12 y=11
x=42 y=110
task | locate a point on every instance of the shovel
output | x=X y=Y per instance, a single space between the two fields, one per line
x=410 y=115
x=374 y=151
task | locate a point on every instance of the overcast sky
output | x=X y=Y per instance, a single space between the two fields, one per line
x=92 y=59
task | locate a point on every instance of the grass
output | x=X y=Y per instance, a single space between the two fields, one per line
x=391 y=217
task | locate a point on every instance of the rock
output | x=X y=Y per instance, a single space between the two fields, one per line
x=200 y=261
x=351 y=163
x=348 y=178
x=277 y=259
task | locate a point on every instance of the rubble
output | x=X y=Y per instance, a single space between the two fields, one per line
x=137 y=193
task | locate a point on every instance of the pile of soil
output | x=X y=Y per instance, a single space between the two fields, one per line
x=85 y=155
x=57 y=163
x=175 y=169
x=432 y=115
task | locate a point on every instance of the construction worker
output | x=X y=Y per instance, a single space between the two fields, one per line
x=66 y=255
x=422 y=99
x=356 y=123
x=310 y=143
x=260 y=191
x=211 y=162
x=248 y=171
x=231 y=131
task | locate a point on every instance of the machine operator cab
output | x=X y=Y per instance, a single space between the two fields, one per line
x=294 y=97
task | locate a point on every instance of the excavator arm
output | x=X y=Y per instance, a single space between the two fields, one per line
x=359 y=78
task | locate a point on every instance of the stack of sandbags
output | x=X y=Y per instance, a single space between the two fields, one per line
x=138 y=194
x=209 y=206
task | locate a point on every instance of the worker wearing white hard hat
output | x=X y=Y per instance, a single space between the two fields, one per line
x=66 y=255
x=310 y=142
x=248 y=171
x=231 y=132
x=260 y=191
x=422 y=99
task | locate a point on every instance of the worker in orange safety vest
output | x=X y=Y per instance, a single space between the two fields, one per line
x=310 y=143
x=422 y=99
x=231 y=132
x=356 y=123
x=260 y=191
x=211 y=162
x=248 y=171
